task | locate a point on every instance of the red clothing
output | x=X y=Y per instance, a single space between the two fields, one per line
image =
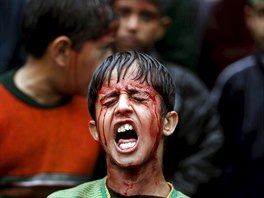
x=44 y=141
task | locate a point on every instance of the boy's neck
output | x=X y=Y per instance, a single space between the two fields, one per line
x=34 y=80
x=146 y=179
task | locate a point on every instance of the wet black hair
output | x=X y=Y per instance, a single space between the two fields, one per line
x=80 y=20
x=149 y=71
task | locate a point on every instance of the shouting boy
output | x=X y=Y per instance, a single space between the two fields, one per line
x=131 y=99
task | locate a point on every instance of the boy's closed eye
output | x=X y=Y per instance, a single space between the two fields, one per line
x=109 y=99
x=148 y=16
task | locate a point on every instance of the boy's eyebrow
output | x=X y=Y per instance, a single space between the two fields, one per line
x=109 y=95
x=130 y=90
x=150 y=13
x=134 y=90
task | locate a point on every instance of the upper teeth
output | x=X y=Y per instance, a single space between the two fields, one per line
x=124 y=128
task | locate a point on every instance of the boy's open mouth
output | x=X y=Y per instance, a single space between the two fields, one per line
x=126 y=137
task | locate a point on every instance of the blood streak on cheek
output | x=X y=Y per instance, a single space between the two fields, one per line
x=153 y=94
x=99 y=133
x=103 y=124
x=157 y=120
x=104 y=128
x=99 y=118
x=156 y=111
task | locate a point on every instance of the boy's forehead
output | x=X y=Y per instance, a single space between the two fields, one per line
x=162 y=6
x=124 y=75
x=138 y=4
x=128 y=86
x=158 y=3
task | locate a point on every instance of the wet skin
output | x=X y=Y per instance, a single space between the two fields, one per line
x=129 y=120
x=255 y=21
x=140 y=24
x=130 y=128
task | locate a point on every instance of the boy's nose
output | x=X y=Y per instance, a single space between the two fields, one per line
x=123 y=105
x=132 y=23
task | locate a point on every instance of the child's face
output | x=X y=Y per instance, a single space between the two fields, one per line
x=83 y=62
x=140 y=24
x=129 y=124
x=255 y=22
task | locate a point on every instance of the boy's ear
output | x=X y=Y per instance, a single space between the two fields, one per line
x=170 y=123
x=93 y=130
x=60 y=49
x=165 y=22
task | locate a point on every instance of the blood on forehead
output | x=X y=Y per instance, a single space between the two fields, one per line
x=124 y=86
